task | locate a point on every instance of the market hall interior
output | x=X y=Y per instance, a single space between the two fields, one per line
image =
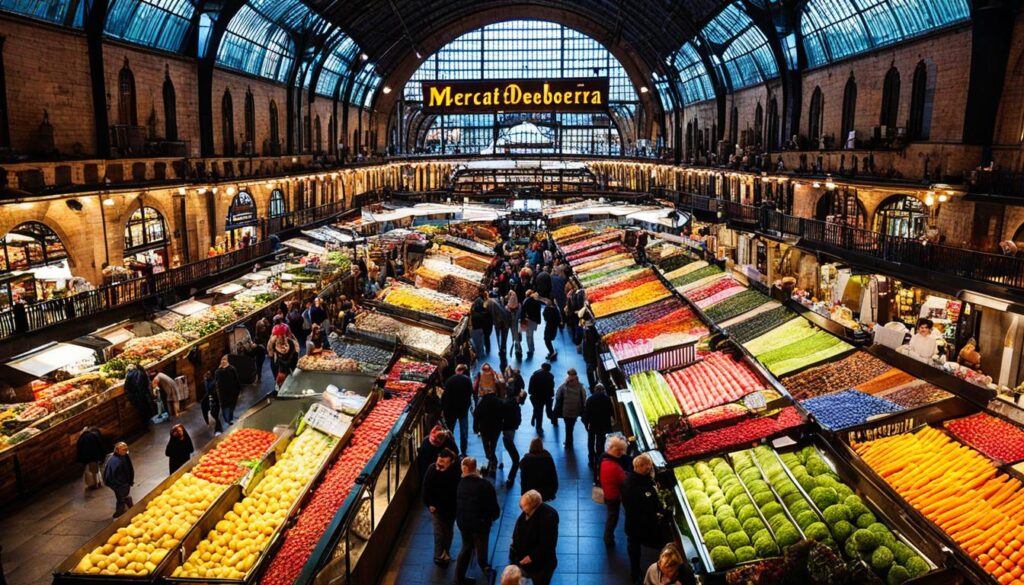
x=779 y=242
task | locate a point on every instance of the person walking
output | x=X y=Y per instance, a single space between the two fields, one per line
x=552 y=322
x=90 y=452
x=179 y=448
x=137 y=389
x=479 y=322
x=283 y=351
x=296 y=322
x=529 y=319
x=670 y=568
x=487 y=424
x=542 y=391
x=455 y=403
x=542 y=284
x=262 y=339
x=511 y=418
x=437 y=440
x=210 y=404
x=591 y=339
x=488 y=381
x=119 y=476
x=228 y=388
x=575 y=301
x=535 y=539
x=503 y=324
x=316 y=340
x=475 y=510
x=612 y=467
x=598 y=418
x=538 y=471
x=440 y=488
x=644 y=513
x=569 y=401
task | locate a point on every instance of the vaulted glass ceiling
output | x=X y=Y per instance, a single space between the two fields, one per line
x=693 y=76
x=742 y=47
x=155 y=23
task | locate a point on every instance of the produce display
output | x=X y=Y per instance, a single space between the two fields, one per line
x=202 y=324
x=734 y=305
x=741 y=434
x=715 y=380
x=370 y=358
x=771 y=501
x=890 y=379
x=426 y=301
x=714 y=292
x=759 y=324
x=730 y=525
x=303 y=536
x=603 y=262
x=674 y=262
x=53 y=398
x=464 y=258
x=328 y=362
x=992 y=436
x=408 y=376
x=781 y=336
x=234 y=456
x=621 y=270
x=597 y=248
x=231 y=549
x=808 y=351
x=566 y=232
x=423 y=339
x=695 y=276
x=588 y=258
x=654 y=395
x=718 y=415
x=588 y=243
x=448 y=278
x=958 y=489
x=626 y=319
x=916 y=394
x=848 y=408
x=638 y=296
x=618 y=286
x=143 y=351
x=675 y=328
x=854 y=529
x=854 y=369
x=138 y=548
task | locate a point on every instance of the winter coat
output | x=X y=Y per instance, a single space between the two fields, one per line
x=136 y=387
x=537 y=472
x=597 y=413
x=427 y=452
x=119 y=472
x=530 y=309
x=611 y=474
x=643 y=510
x=458 y=395
x=479 y=315
x=487 y=416
x=511 y=413
x=228 y=386
x=552 y=321
x=542 y=284
x=90 y=447
x=476 y=504
x=542 y=387
x=535 y=537
x=440 y=488
x=179 y=451
x=501 y=316
x=572 y=397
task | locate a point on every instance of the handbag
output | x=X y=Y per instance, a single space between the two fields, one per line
x=597 y=494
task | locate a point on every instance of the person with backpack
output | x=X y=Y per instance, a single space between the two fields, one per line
x=476 y=509
x=480 y=321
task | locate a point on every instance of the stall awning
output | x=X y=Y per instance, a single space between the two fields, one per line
x=228 y=289
x=189 y=307
x=49 y=358
x=613 y=210
x=304 y=245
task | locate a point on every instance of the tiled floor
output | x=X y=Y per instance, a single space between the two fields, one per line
x=39 y=534
x=583 y=558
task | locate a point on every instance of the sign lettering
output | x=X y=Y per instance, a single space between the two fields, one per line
x=585 y=94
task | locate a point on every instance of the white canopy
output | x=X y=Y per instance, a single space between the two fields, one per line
x=51 y=357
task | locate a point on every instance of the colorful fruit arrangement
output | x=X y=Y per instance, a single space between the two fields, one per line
x=961 y=491
x=675 y=328
x=695 y=278
x=847 y=408
x=603 y=262
x=715 y=380
x=718 y=415
x=426 y=301
x=730 y=526
x=223 y=464
x=992 y=436
x=854 y=369
x=626 y=319
x=810 y=350
x=144 y=351
x=408 y=376
x=617 y=286
x=424 y=339
x=734 y=306
x=759 y=324
x=854 y=528
x=327 y=361
x=916 y=394
x=596 y=277
x=637 y=296
x=779 y=337
x=674 y=262
x=701 y=295
x=230 y=550
x=741 y=434
x=309 y=527
x=654 y=395
x=685 y=269
x=138 y=548
x=598 y=248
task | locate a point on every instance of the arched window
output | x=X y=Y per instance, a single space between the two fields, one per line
x=331 y=132
x=815 y=116
x=144 y=231
x=902 y=215
x=758 y=123
x=126 y=112
x=773 y=124
x=734 y=127
x=890 y=99
x=227 y=123
x=317 y=135
x=849 y=108
x=29 y=245
x=842 y=206
x=250 y=121
x=921 y=96
x=278 y=206
x=170 y=108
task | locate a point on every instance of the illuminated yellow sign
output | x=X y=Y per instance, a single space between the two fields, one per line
x=526 y=95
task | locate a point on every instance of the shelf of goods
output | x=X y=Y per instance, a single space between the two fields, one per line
x=430 y=341
x=465 y=258
x=442 y=275
x=37 y=438
x=438 y=307
x=470 y=245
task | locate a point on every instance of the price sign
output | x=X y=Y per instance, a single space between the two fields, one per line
x=755 y=401
x=323 y=418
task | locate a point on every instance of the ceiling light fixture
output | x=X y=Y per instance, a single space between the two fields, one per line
x=386 y=90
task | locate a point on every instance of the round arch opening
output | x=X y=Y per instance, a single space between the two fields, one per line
x=902 y=215
x=242 y=221
x=146 y=241
x=33 y=264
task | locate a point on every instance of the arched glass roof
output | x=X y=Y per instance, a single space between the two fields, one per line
x=55 y=11
x=693 y=76
x=742 y=46
x=336 y=66
x=155 y=23
x=834 y=29
x=364 y=86
x=255 y=44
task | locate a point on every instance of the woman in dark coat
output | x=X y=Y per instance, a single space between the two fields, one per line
x=228 y=389
x=91 y=451
x=537 y=471
x=179 y=448
x=552 y=321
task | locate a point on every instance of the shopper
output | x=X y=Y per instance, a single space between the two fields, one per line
x=296 y=322
x=317 y=313
x=179 y=448
x=644 y=514
x=558 y=291
x=437 y=440
x=512 y=304
x=569 y=401
x=440 y=488
x=552 y=322
x=455 y=403
x=598 y=418
x=136 y=388
x=261 y=338
x=575 y=302
x=503 y=323
x=529 y=320
x=488 y=381
x=542 y=284
x=210 y=404
x=228 y=388
x=316 y=341
x=90 y=452
x=670 y=568
x=487 y=424
x=283 y=351
x=119 y=476
x=511 y=418
x=166 y=389
x=534 y=539
x=542 y=391
x=612 y=468
x=591 y=340
x=476 y=509
x=479 y=322
x=538 y=471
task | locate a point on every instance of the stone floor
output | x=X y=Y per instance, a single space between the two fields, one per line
x=583 y=558
x=39 y=534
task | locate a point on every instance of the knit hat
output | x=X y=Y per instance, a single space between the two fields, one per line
x=280 y=330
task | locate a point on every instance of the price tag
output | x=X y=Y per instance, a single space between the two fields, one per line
x=755 y=401
x=325 y=419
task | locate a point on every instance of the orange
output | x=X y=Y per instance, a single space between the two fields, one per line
x=1008 y=564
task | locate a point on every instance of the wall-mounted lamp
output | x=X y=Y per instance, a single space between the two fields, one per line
x=181 y=190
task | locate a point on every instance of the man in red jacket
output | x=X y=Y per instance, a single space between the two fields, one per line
x=611 y=474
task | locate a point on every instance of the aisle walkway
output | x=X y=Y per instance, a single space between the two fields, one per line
x=38 y=534
x=583 y=558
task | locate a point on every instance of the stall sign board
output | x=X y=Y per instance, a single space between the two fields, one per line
x=581 y=94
